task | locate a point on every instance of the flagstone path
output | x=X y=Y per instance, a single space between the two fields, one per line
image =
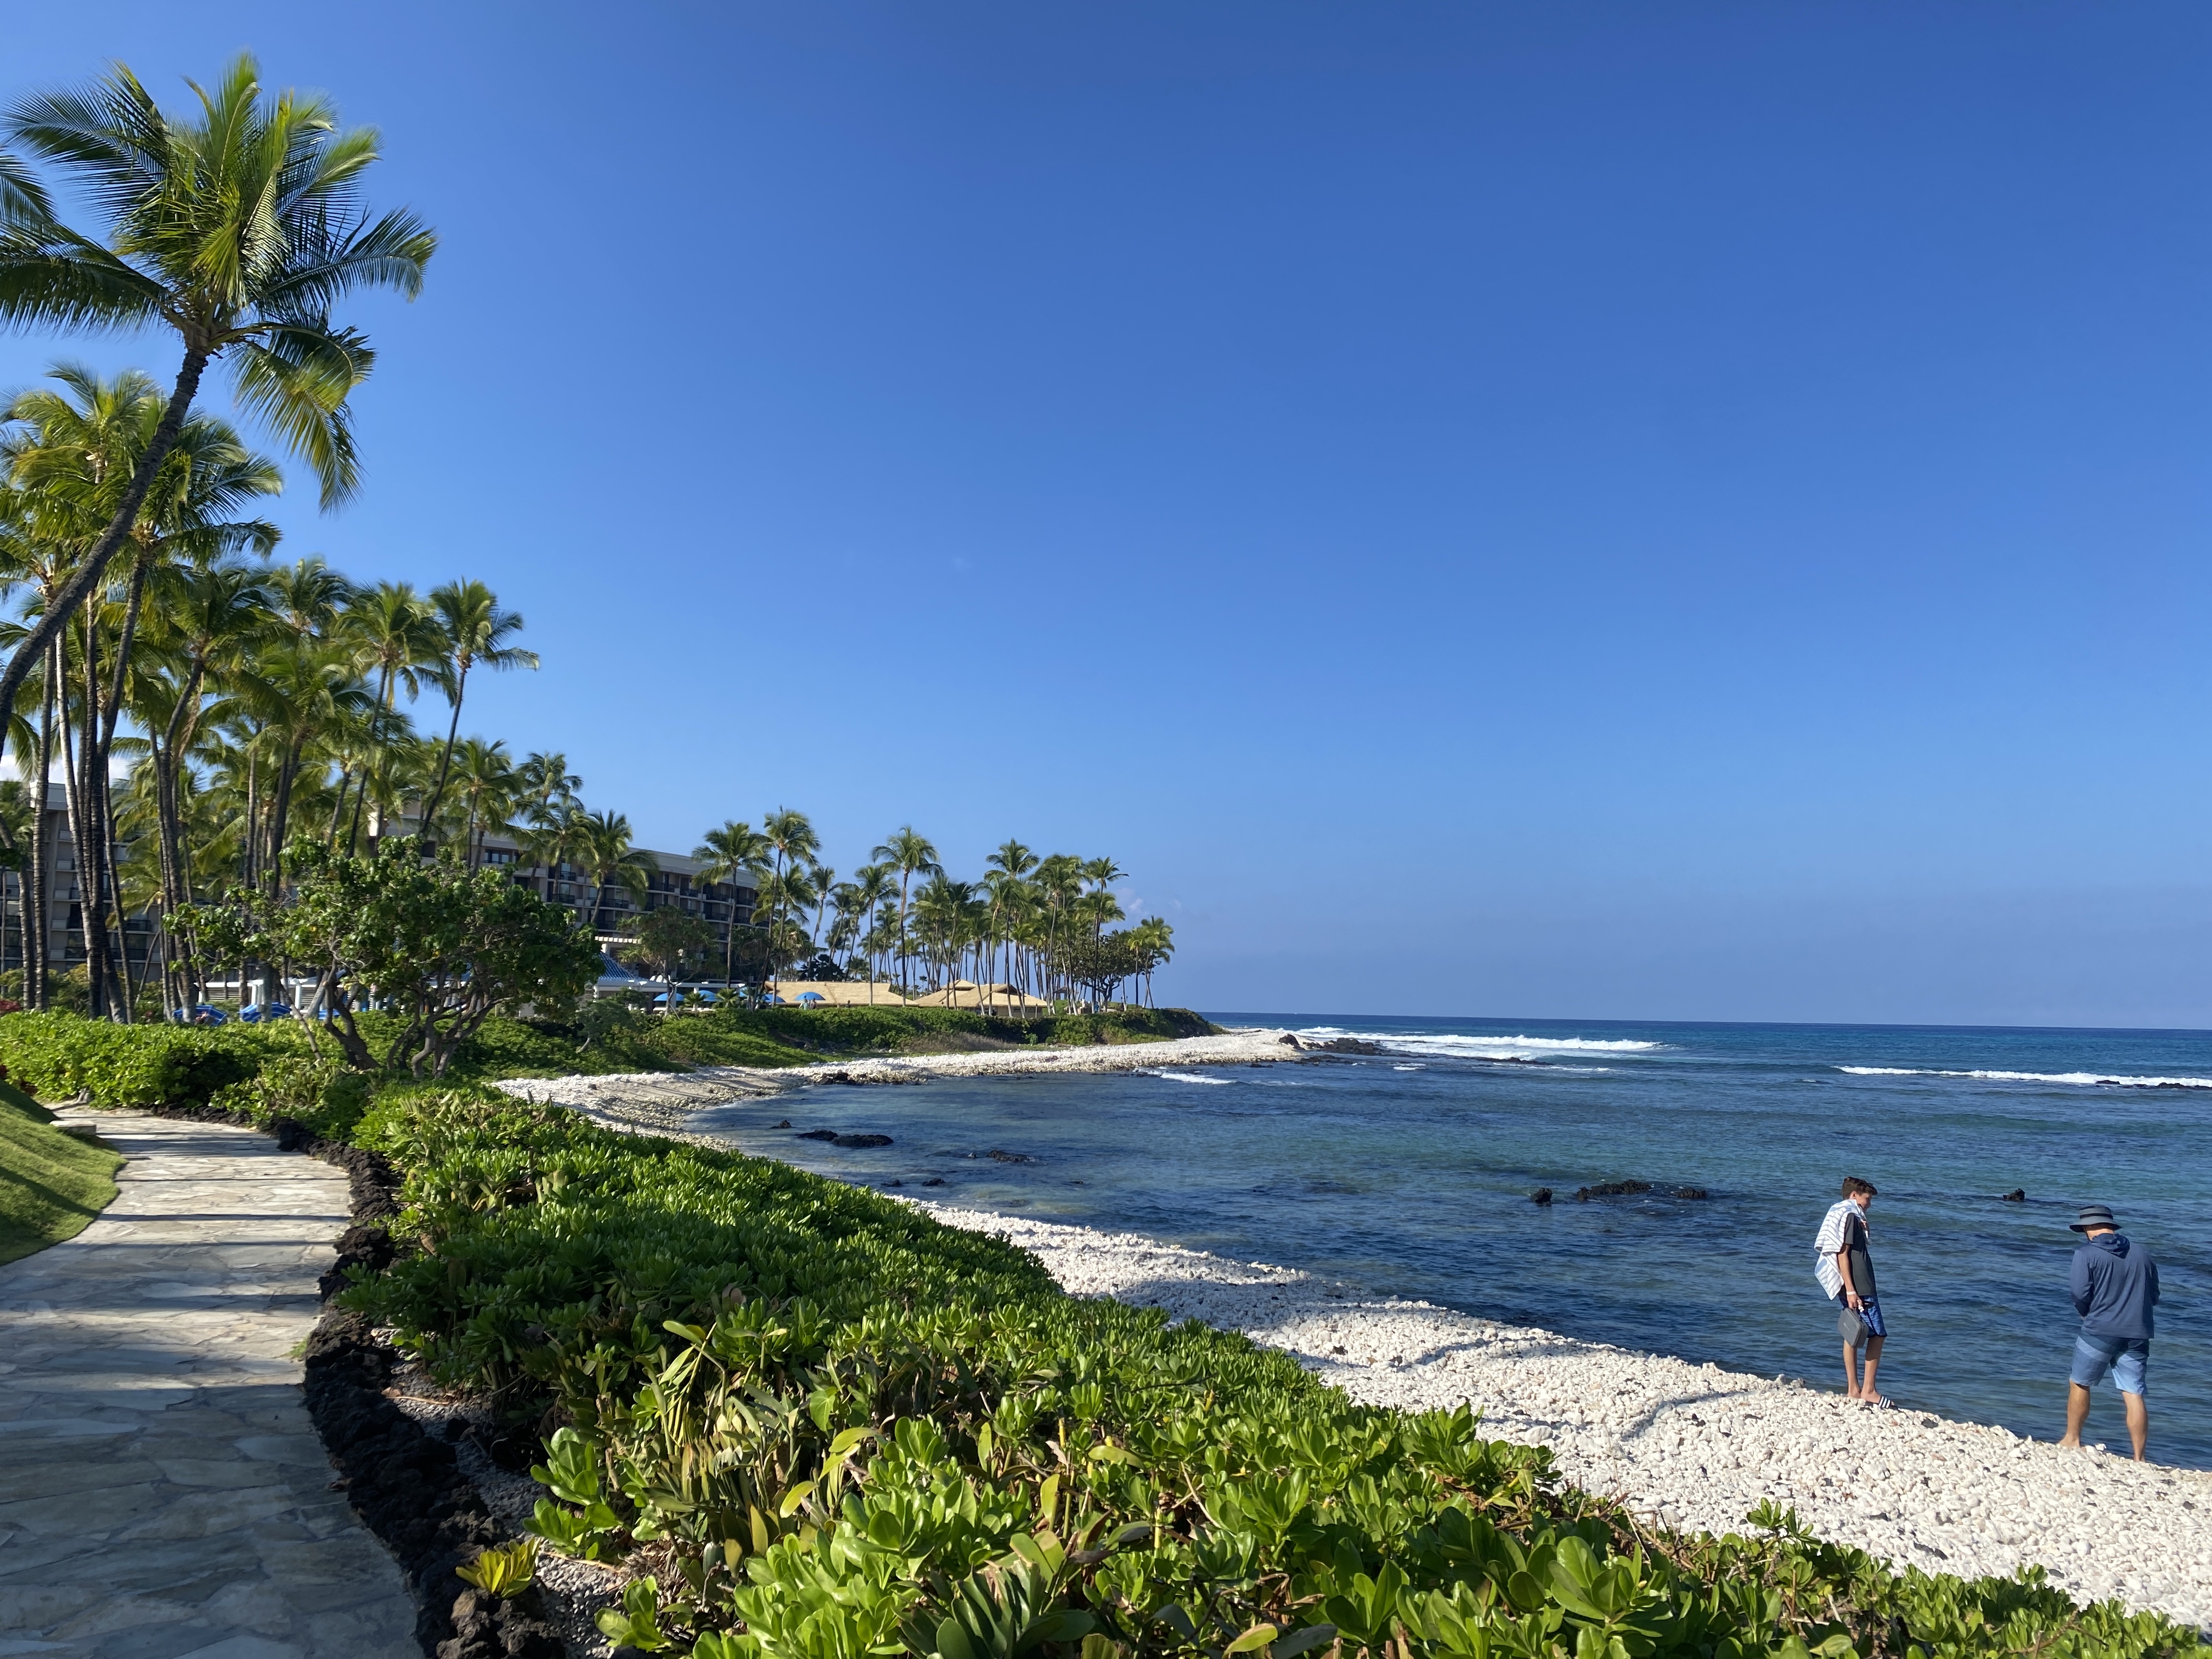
x=162 y=1492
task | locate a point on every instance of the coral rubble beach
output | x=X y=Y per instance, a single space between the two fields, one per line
x=1693 y=1446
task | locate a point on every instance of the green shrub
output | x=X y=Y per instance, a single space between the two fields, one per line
x=837 y=1429
x=318 y=1091
x=58 y=1056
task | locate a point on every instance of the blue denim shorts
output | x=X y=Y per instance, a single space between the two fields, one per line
x=2128 y=1359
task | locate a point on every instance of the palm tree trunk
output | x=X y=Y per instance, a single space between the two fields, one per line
x=446 y=760
x=64 y=605
x=41 y=934
x=279 y=813
x=73 y=798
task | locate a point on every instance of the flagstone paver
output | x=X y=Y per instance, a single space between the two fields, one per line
x=162 y=1492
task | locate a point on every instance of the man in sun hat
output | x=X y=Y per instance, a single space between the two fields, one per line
x=2115 y=1287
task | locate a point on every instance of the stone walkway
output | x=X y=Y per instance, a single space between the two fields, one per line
x=162 y=1492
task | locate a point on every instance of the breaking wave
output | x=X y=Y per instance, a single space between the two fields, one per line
x=2079 y=1079
x=1461 y=1047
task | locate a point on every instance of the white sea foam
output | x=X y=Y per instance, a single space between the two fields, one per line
x=1182 y=1077
x=2081 y=1080
x=1454 y=1046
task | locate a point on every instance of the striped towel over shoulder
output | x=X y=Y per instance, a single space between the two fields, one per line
x=1829 y=1241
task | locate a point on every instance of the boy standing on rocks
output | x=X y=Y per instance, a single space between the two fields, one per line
x=1845 y=1266
x=2115 y=1286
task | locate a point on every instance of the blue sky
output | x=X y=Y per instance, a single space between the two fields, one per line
x=1584 y=511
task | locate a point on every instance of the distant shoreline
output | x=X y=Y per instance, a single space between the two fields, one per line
x=660 y=1102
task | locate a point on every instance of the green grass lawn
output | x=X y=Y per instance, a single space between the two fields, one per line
x=51 y=1184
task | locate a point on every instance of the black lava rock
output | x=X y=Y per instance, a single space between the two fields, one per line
x=1611 y=1189
x=1542 y=1195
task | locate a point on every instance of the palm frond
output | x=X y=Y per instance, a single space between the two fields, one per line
x=111 y=133
x=23 y=199
x=51 y=277
x=297 y=381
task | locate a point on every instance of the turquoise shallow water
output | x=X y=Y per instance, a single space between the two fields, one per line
x=1411 y=1172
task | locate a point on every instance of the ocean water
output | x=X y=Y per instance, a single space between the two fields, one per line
x=1411 y=1173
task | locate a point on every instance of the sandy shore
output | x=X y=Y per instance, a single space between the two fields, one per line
x=661 y=1101
x=1693 y=1445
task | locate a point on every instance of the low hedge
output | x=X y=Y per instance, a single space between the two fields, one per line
x=60 y=1056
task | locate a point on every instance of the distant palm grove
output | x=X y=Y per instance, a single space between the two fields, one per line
x=203 y=710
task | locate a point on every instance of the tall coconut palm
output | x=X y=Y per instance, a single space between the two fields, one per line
x=476 y=631
x=728 y=855
x=910 y=852
x=239 y=226
x=546 y=783
x=206 y=625
x=612 y=858
x=396 y=636
x=486 y=785
x=70 y=450
x=871 y=885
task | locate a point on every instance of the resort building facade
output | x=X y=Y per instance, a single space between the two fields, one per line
x=676 y=886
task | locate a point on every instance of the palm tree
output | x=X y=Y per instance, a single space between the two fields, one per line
x=910 y=852
x=476 y=634
x=546 y=783
x=205 y=628
x=397 y=634
x=871 y=885
x=612 y=859
x=728 y=855
x=70 y=453
x=239 y=226
x=488 y=788
x=559 y=840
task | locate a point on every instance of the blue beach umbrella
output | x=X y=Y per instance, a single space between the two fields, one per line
x=812 y=996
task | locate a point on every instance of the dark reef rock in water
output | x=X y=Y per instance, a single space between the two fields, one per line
x=817 y=1135
x=2017 y=1195
x=834 y=1076
x=888 y=1185
x=1348 y=1046
x=1611 y=1189
x=998 y=1156
x=1542 y=1195
x=934 y=1181
x=1693 y=1192
x=837 y=1139
x=781 y=1123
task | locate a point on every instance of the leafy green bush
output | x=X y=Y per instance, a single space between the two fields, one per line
x=837 y=1429
x=58 y=1056
x=316 y=1090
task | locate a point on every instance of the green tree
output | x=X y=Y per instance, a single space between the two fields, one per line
x=396 y=634
x=672 y=944
x=728 y=855
x=238 y=226
x=612 y=858
x=440 y=947
x=910 y=852
x=475 y=630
